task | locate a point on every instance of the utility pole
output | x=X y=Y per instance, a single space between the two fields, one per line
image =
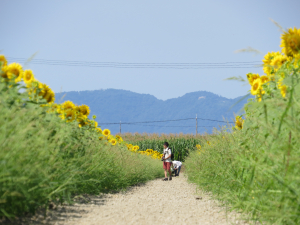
x=196 y=125
x=120 y=127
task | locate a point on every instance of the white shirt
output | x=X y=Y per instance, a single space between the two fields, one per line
x=177 y=164
x=167 y=153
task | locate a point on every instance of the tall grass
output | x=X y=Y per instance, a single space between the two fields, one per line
x=180 y=144
x=43 y=158
x=256 y=169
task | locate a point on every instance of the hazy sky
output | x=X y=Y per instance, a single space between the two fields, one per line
x=153 y=31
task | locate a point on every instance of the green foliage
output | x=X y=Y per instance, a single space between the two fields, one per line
x=257 y=169
x=43 y=158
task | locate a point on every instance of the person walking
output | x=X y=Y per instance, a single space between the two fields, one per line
x=177 y=167
x=167 y=161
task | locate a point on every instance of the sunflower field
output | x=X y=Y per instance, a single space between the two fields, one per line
x=52 y=152
x=180 y=144
x=255 y=168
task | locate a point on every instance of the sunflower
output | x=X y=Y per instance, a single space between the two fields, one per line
x=110 y=137
x=96 y=124
x=135 y=148
x=252 y=77
x=13 y=69
x=28 y=76
x=294 y=61
x=99 y=130
x=3 y=61
x=100 y=138
x=198 y=147
x=278 y=61
x=49 y=96
x=119 y=138
x=239 y=122
x=113 y=141
x=106 y=132
x=43 y=89
x=264 y=79
x=70 y=115
x=81 y=120
x=84 y=110
x=129 y=146
x=68 y=105
x=268 y=69
x=290 y=42
x=256 y=87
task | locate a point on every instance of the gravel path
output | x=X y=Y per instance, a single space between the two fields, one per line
x=156 y=202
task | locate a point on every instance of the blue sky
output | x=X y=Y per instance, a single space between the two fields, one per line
x=144 y=32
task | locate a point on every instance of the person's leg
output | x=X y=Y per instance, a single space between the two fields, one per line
x=178 y=170
x=165 y=169
x=169 y=169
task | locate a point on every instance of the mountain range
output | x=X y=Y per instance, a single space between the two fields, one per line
x=113 y=106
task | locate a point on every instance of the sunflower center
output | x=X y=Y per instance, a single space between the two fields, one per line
x=15 y=71
x=255 y=86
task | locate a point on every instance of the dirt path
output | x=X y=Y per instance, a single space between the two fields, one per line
x=156 y=202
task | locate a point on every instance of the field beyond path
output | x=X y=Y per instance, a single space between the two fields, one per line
x=156 y=202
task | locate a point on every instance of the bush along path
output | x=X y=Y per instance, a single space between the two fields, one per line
x=49 y=153
x=256 y=167
x=155 y=202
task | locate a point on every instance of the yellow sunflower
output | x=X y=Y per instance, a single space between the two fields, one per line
x=70 y=115
x=252 y=77
x=84 y=110
x=255 y=89
x=110 y=137
x=43 y=89
x=68 y=105
x=264 y=79
x=13 y=69
x=268 y=69
x=290 y=42
x=129 y=146
x=28 y=76
x=278 y=61
x=106 y=132
x=49 y=96
x=294 y=61
x=96 y=124
x=239 y=122
x=81 y=120
x=99 y=130
x=119 y=138
x=3 y=61
x=113 y=141
x=135 y=148
x=198 y=147
x=100 y=138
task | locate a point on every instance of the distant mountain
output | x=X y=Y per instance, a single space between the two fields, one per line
x=113 y=106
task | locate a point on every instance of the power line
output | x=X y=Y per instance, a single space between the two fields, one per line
x=123 y=65
x=157 y=121
x=159 y=125
x=161 y=121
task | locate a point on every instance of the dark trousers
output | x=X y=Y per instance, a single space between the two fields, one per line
x=177 y=171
